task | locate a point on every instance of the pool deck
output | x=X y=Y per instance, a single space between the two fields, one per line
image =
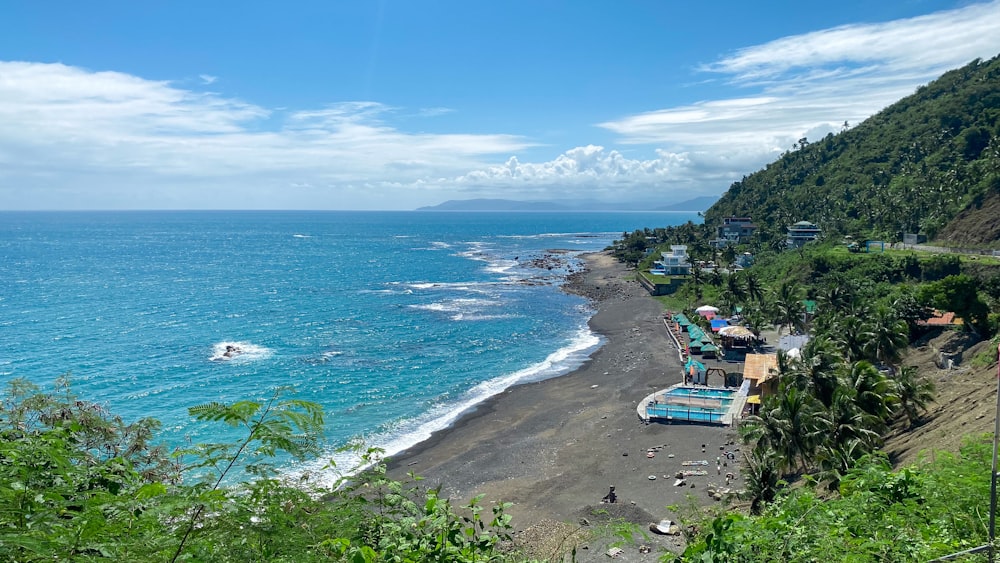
x=731 y=415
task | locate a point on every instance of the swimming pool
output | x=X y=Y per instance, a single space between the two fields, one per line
x=692 y=404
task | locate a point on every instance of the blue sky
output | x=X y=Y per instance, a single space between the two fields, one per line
x=395 y=105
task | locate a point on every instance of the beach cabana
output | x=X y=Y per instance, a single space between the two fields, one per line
x=682 y=319
x=709 y=350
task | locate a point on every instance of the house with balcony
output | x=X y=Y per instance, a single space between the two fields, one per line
x=734 y=230
x=673 y=263
x=801 y=233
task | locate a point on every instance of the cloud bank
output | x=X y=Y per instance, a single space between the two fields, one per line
x=76 y=138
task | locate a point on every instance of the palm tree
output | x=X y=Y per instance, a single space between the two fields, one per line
x=754 y=288
x=848 y=334
x=818 y=367
x=886 y=335
x=761 y=477
x=914 y=392
x=786 y=426
x=715 y=278
x=696 y=279
x=736 y=287
x=837 y=298
x=873 y=391
x=788 y=307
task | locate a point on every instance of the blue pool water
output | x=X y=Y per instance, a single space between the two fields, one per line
x=703 y=392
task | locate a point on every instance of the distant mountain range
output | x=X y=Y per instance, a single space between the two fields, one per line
x=696 y=204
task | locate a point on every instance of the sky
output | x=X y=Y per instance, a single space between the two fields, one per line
x=387 y=105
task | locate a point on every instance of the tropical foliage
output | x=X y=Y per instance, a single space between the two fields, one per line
x=79 y=484
x=911 y=168
x=917 y=514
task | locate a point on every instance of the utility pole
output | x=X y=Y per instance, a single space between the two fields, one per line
x=993 y=475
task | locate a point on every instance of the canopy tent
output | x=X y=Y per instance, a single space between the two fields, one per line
x=709 y=350
x=719 y=324
x=695 y=364
x=706 y=309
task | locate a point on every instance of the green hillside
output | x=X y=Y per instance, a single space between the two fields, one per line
x=913 y=167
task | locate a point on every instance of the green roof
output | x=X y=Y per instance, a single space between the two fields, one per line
x=693 y=362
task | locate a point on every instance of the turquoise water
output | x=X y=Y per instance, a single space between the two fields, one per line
x=703 y=393
x=394 y=322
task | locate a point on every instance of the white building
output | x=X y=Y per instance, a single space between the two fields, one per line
x=673 y=263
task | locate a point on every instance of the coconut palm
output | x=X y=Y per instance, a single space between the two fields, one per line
x=788 y=307
x=848 y=335
x=761 y=478
x=837 y=298
x=817 y=367
x=914 y=393
x=786 y=426
x=886 y=335
x=754 y=287
x=736 y=287
x=715 y=278
x=844 y=422
x=873 y=391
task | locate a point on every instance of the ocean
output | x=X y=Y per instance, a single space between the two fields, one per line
x=394 y=322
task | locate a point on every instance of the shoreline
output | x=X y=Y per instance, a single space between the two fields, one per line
x=553 y=448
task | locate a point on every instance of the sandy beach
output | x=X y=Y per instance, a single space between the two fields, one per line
x=553 y=448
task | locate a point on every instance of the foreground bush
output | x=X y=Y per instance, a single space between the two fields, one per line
x=919 y=513
x=79 y=484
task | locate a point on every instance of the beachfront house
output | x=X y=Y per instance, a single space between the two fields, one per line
x=673 y=263
x=801 y=233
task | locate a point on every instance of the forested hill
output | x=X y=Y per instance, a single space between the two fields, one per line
x=929 y=163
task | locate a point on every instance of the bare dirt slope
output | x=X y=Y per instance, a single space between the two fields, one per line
x=975 y=226
x=965 y=399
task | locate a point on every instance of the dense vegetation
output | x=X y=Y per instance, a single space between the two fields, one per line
x=79 y=484
x=912 y=168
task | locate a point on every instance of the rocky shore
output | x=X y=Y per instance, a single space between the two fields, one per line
x=554 y=448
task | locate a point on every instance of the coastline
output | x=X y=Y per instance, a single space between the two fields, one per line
x=553 y=448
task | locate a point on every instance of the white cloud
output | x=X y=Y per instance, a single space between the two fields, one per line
x=108 y=139
x=71 y=137
x=803 y=86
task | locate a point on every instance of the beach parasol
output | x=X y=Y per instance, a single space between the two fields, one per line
x=736 y=331
x=706 y=309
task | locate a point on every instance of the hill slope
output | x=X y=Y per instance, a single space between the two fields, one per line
x=964 y=402
x=913 y=167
